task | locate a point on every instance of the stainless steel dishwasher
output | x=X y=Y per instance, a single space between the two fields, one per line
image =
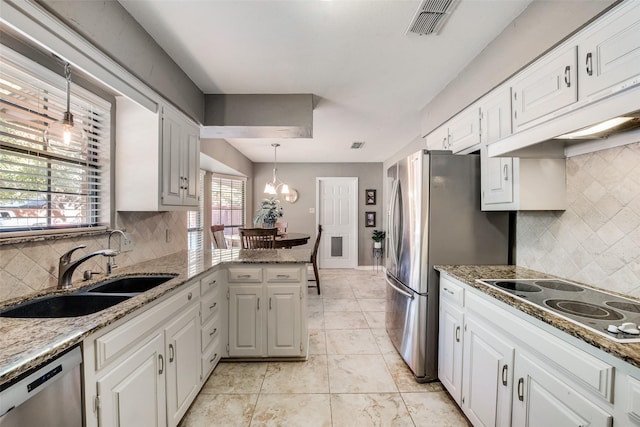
x=48 y=395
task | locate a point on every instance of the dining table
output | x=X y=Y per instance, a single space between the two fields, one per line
x=283 y=240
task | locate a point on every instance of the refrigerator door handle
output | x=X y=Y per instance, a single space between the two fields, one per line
x=392 y=209
x=405 y=293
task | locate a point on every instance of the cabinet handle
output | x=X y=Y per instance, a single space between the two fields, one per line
x=211 y=307
x=521 y=389
x=211 y=283
x=589 y=64
x=505 y=371
x=244 y=276
x=505 y=171
x=457 y=333
x=214 y=358
x=567 y=75
x=161 y=361
x=269 y=303
x=258 y=303
x=444 y=143
x=212 y=333
x=282 y=276
x=172 y=353
x=448 y=291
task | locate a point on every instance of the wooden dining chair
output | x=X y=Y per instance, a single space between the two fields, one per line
x=218 y=240
x=258 y=238
x=314 y=262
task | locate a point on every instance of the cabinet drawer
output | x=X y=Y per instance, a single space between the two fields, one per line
x=283 y=275
x=584 y=369
x=451 y=292
x=210 y=331
x=210 y=283
x=633 y=399
x=113 y=344
x=209 y=305
x=210 y=358
x=245 y=275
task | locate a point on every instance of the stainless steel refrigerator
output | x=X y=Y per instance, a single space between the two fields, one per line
x=434 y=219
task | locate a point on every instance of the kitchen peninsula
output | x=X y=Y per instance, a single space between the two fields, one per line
x=224 y=303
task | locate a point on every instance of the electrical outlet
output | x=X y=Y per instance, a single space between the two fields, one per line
x=126 y=245
x=312 y=210
x=168 y=235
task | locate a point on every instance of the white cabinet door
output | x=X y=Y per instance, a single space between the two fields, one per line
x=464 y=130
x=191 y=167
x=133 y=393
x=246 y=320
x=450 y=348
x=496 y=172
x=439 y=139
x=283 y=320
x=182 y=352
x=487 y=380
x=609 y=53
x=547 y=86
x=172 y=179
x=542 y=399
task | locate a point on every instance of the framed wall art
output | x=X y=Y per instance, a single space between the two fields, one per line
x=370 y=197
x=369 y=219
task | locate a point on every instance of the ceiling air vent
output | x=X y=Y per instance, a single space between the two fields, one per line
x=356 y=145
x=431 y=16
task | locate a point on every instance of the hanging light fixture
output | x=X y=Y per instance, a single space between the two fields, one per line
x=61 y=132
x=276 y=186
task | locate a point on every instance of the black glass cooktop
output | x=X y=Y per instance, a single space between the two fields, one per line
x=599 y=311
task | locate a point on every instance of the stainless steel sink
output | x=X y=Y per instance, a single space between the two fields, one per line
x=129 y=284
x=68 y=305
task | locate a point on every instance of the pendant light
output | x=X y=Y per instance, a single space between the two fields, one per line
x=276 y=186
x=62 y=133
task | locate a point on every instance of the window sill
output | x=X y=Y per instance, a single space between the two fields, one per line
x=38 y=236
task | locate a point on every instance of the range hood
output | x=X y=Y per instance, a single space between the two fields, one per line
x=258 y=116
x=549 y=139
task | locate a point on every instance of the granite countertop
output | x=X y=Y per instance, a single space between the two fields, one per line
x=27 y=343
x=628 y=352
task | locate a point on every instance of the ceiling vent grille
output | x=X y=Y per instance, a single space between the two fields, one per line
x=431 y=16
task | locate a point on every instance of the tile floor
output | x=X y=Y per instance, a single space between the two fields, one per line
x=353 y=376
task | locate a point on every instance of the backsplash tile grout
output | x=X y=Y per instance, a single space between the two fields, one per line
x=597 y=239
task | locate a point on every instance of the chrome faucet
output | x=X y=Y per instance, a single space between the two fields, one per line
x=66 y=267
x=111 y=262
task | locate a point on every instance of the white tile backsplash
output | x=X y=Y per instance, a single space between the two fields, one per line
x=597 y=239
x=29 y=267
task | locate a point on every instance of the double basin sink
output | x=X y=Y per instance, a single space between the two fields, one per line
x=98 y=297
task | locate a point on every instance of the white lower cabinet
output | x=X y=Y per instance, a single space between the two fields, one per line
x=514 y=373
x=183 y=368
x=450 y=339
x=487 y=364
x=267 y=319
x=146 y=371
x=542 y=398
x=132 y=393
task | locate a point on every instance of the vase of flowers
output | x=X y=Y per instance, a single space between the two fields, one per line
x=268 y=213
x=378 y=237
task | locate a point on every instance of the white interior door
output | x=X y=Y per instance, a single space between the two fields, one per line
x=337 y=202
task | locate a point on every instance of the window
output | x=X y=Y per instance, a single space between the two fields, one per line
x=228 y=202
x=45 y=184
x=195 y=238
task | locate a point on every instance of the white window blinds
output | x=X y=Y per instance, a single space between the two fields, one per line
x=195 y=224
x=228 y=202
x=45 y=183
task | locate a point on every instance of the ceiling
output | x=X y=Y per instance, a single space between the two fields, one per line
x=368 y=77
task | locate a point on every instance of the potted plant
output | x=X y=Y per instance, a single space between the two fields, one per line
x=378 y=237
x=268 y=213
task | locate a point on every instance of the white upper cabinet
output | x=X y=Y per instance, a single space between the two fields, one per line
x=157 y=159
x=544 y=87
x=439 y=139
x=464 y=130
x=609 y=53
